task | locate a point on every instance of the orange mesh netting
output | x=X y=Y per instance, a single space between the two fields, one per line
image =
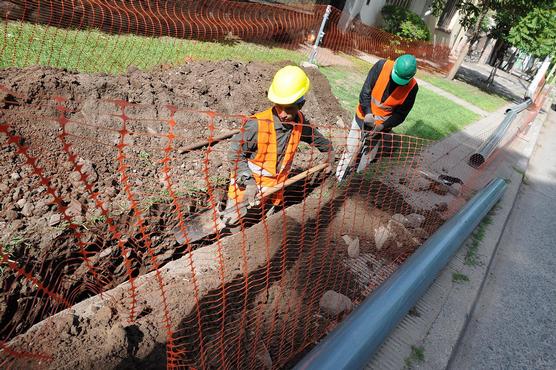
x=115 y=251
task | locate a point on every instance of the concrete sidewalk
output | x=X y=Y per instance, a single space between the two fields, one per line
x=427 y=336
x=514 y=323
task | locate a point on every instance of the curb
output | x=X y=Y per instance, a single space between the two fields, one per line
x=429 y=335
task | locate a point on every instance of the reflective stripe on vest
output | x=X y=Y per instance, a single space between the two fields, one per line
x=381 y=111
x=264 y=164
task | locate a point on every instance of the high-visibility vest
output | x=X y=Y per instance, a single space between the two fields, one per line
x=264 y=165
x=382 y=111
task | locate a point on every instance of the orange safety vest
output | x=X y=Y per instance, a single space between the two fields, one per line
x=264 y=164
x=382 y=111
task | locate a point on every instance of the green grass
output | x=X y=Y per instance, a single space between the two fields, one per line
x=346 y=84
x=435 y=117
x=90 y=51
x=417 y=355
x=471 y=257
x=458 y=277
x=469 y=93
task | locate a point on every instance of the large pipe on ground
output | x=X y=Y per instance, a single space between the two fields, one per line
x=353 y=343
x=489 y=145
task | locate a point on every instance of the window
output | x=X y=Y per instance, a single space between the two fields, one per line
x=400 y=3
x=447 y=15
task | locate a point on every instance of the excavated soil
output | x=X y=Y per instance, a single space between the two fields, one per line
x=108 y=177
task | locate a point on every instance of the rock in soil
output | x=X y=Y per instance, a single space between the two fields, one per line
x=455 y=189
x=4 y=188
x=27 y=210
x=334 y=303
x=352 y=246
x=400 y=218
x=414 y=220
x=54 y=219
x=382 y=234
x=264 y=357
x=394 y=236
x=74 y=209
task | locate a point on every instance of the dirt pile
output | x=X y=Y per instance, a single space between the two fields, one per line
x=116 y=169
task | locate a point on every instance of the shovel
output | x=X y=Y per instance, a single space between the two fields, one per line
x=211 y=222
x=365 y=155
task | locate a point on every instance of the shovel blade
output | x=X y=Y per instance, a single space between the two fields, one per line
x=196 y=228
x=366 y=157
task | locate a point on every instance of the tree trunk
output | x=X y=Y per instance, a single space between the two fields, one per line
x=458 y=63
x=490 y=79
x=483 y=58
x=495 y=51
x=510 y=62
x=476 y=28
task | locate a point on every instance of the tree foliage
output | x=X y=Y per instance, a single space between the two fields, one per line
x=532 y=21
x=535 y=33
x=404 y=23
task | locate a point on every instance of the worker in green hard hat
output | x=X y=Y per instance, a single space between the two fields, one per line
x=385 y=100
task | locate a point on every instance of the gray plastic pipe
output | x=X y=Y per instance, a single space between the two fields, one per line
x=353 y=343
x=487 y=148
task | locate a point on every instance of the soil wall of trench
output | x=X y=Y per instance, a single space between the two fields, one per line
x=255 y=291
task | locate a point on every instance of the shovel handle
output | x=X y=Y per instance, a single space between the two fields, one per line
x=274 y=189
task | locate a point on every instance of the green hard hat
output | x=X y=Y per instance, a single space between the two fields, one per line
x=404 y=69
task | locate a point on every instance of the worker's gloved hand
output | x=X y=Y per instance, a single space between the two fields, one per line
x=369 y=120
x=378 y=128
x=251 y=191
x=242 y=179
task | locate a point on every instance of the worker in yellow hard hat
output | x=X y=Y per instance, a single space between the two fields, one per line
x=263 y=152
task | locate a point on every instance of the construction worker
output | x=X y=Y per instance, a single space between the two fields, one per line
x=385 y=100
x=263 y=153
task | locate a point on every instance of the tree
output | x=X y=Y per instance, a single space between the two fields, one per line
x=535 y=33
x=507 y=13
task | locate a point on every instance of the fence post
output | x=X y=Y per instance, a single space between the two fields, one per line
x=313 y=54
x=533 y=87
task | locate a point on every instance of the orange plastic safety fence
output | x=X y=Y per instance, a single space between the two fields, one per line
x=122 y=245
x=103 y=214
x=210 y=20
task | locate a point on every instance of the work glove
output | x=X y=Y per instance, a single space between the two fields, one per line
x=248 y=184
x=378 y=128
x=369 y=120
x=251 y=191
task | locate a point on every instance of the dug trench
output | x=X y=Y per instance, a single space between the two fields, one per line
x=120 y=207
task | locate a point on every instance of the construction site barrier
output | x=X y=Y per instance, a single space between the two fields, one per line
x=119 y=245
x=220 y=21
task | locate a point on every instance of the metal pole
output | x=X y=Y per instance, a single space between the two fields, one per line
x=353 y=343
x=313 y=54
x=489 y=145
x=532 y=89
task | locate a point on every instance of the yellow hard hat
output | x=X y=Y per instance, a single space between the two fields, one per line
x=289 y=84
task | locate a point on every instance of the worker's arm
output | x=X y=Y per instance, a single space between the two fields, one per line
x=400 y=113
x=243 y=146
x=365 y=94
x=310 y=135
